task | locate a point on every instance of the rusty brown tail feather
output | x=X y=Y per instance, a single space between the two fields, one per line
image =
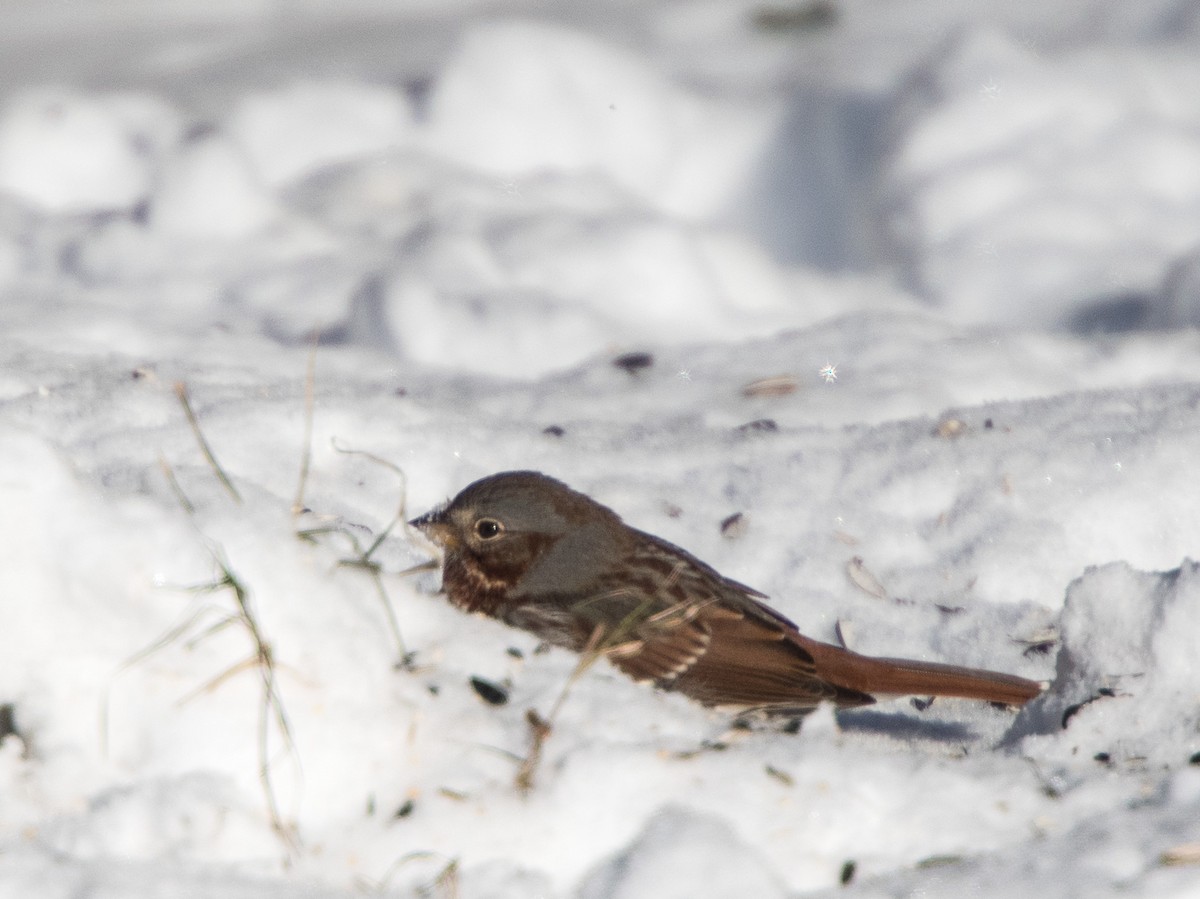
x=899 y=677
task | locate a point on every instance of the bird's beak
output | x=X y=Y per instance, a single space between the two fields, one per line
x=435 y=526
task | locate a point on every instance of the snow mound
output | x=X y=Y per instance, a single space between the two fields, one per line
x=1047 y=190
x=67 y=152
x=294 y=131
x=521 y=98
x=1125 y=682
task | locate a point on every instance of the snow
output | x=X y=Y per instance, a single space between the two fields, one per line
x=1009 y=153
x=976 y=216
x=41 y=137
x=521 y=98
x=288 y=132
x=209 y=191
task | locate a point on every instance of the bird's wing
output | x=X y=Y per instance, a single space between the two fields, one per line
x=709 y=638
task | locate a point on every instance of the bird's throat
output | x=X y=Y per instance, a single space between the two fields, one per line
x=470 y=588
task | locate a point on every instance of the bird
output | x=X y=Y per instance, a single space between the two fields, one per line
x=528 y=550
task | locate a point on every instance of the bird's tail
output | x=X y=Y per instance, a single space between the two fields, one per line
x=902 y=677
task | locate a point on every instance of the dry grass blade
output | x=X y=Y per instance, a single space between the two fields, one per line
x=310 y=389
x=271 y=707
x=362 y=557
x=601 y=642
x=1183 y=854
x=401 y=515
x=445 y=881
x=172 y=635
x=272 y=719
x=445 y=885
x=539 y=730
x=625 y=638
x=181 y=391
x=173 y=483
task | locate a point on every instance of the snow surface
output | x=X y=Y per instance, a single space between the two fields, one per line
x=976 y=215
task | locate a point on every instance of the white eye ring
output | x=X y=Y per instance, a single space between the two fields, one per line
x=488 y=528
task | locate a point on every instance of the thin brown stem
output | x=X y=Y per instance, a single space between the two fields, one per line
x=181 y=391
x=310 y=390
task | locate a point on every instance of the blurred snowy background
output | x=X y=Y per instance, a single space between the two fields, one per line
x=618 y=242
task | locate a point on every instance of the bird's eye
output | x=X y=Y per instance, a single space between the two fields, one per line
x=487 y=528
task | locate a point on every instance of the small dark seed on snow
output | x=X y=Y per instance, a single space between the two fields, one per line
x=633 y=362
x=1039 y=649
x=733 y=526
x=762 y=425
x=8 y=720
x=782 y=776
x=1071 y=710
x=491 y=693
x=848 y=868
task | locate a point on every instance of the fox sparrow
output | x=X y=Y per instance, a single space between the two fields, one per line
x=529 y=550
